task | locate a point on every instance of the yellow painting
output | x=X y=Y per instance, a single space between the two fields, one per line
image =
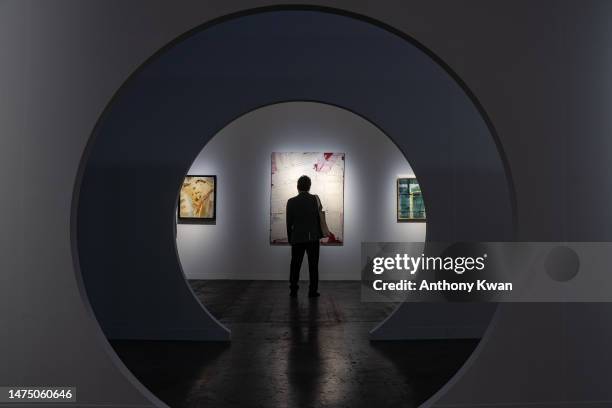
x=198 y=198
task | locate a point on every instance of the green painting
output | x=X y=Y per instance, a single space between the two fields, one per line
x=410 y=204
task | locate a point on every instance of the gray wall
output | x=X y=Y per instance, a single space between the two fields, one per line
x=541 y=69
x=242 y=165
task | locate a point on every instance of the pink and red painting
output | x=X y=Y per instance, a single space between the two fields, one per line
x=326 y=171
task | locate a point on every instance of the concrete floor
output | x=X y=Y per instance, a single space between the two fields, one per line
x=300 y=353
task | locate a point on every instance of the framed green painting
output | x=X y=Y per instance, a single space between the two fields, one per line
x=410 y=203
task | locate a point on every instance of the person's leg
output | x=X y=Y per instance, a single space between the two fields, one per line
x=297 y=256
x=313 y=266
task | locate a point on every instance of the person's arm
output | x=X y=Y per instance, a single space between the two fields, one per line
x=289 y=219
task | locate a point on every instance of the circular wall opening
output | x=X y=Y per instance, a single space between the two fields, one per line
x=237 y=245
x=242 y=278
x=143 y=144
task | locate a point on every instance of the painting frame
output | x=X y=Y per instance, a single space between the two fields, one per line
x=324 y=158
x=199 y=220
x=399 y=218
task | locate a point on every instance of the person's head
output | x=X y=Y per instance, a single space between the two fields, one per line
x=303 y=184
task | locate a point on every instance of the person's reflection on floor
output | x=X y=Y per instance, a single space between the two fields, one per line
x=305 y=365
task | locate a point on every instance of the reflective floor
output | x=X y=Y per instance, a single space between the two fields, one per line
x=293 y=353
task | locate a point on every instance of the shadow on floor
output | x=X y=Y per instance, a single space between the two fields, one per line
x=293 y=353
x=171 y=369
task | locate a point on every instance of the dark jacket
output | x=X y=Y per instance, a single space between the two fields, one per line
x=303 y=223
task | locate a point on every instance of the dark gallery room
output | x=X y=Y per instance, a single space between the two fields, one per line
x=315 y=204
x=207 y=141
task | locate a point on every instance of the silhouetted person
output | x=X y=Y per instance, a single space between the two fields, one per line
x=304 y=233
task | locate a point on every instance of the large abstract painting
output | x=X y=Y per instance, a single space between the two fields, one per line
x=410 y=204
x=197 y=201
x=326 y=170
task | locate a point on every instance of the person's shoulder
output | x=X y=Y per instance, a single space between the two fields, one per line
x=304 y=196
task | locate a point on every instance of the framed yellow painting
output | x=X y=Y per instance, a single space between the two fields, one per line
x=198 y=198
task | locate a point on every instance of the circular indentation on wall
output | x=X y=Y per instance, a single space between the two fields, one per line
x=562 y=264
x=140 y=150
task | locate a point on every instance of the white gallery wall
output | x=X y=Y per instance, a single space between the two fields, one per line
x=238 y=245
